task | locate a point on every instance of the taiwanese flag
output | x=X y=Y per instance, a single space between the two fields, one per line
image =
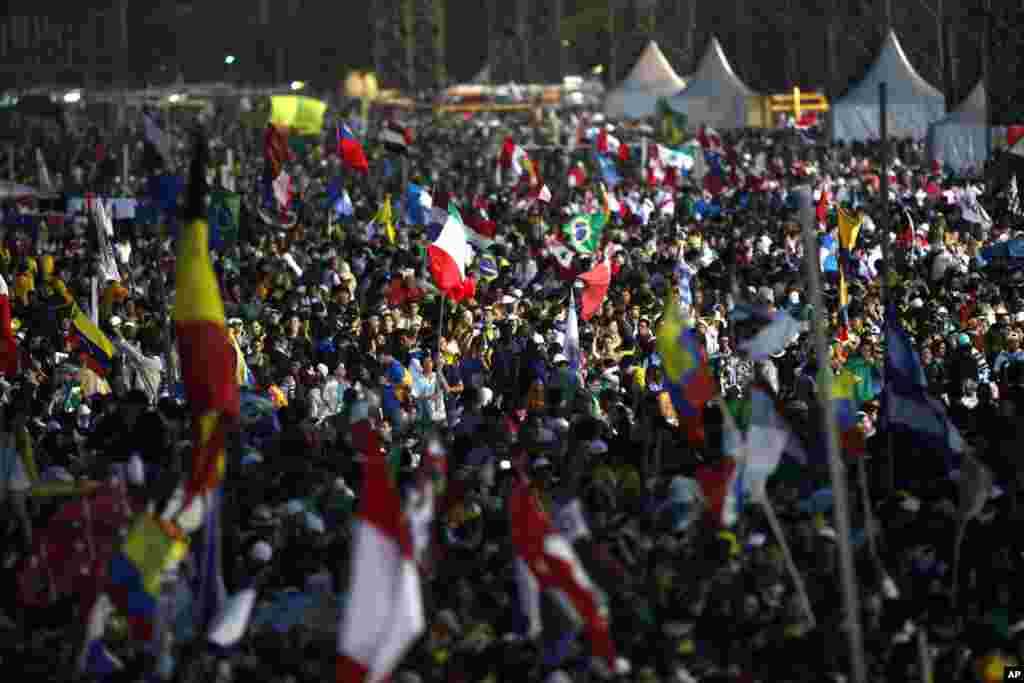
x=351 y=151
x=205 y=349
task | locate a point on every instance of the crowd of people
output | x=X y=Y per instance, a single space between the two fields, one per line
x=326 y=310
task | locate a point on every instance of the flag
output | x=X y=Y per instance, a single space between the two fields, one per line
x=849 y=229
x=383 y=616
x=821 y=211
x=351 y=150
x=1013 y=199
x=395 y=137
x=687 y=376
x=682 y=160
x=95 y=659
x=584 y=232
x=224 y=216
x=577 y=176
x=768 y=438
x=609 y=173
x=595 y=288
x=94 y=347
x=907 y=406
x=450 y=255
x=275 y=151
x=9 y=364
x=551 y=562
x=417 y=202
x=774 y=330
x=609 y=145
x=207 y=356
x=104 y=232
x=383 y=218
x=672 y=124
x=301 y=114
x=151 y=547
x=572 y=335
x=210 y=593
x=515 y=157
x=231 y=622
x=281 y=190
x=718 y=485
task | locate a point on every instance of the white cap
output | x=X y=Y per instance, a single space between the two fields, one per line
x=560 y=358
x=115 y=321
x=261 y=551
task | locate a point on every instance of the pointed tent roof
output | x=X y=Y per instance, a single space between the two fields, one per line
x=715 y=74
x=905 y=85
x=972 y=109
x=651 y=78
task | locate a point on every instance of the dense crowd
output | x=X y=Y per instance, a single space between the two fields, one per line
x=326 y=310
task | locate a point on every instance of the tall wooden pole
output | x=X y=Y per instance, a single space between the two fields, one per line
x=986 y=65
x=848 y=574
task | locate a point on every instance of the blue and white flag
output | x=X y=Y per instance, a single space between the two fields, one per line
x=908 y=407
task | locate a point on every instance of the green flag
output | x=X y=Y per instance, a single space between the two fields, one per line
x=672 y=126
x=223 y=217
x=583 y=233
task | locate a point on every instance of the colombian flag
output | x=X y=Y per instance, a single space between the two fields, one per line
x=688 y=379
x=151 y=547
x=844 y=403
x=95 y=349
x=205 y=348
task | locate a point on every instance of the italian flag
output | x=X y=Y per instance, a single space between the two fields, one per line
x=450 y=256
x=384 y=614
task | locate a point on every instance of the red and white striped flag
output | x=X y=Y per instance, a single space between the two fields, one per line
x=547 y=561
x=384 y=614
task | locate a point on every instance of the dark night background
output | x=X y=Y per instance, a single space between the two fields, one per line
x=773 y=44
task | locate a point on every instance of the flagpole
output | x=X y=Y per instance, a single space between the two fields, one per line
x=883 y=271
x=787 y=556
x=440 y=324
x=847 y=571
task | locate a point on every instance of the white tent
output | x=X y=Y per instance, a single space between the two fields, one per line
x=651 y=79
x=959 y=140
x=715 y=96
x=913 y=103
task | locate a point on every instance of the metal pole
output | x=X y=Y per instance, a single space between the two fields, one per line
x=851 y=600
x=883 y=217
x=10 y=163
x=986 y=66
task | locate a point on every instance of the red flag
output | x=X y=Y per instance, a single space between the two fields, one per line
x=595 y=289
x=8 y=342
x=552 y=563
x=822 y=209
x=351 y=151
x=275 y=149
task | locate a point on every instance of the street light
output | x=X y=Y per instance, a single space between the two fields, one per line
x=72 y=97
x=298 y=85
x=229 y=60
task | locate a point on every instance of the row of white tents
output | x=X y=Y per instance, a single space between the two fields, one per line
x=715 y=96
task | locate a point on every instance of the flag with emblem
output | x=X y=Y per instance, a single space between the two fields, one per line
x=583 y=232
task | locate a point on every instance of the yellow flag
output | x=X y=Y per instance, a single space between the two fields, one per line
x=304 y=115
x=386 y=219
x=849 y=228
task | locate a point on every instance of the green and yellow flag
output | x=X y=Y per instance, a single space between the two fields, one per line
x=303 y=115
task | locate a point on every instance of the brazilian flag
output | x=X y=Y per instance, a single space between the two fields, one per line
x=672 y=125
x=583 y=233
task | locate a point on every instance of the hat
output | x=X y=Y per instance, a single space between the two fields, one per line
x=560 y=358
x=115 y=321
